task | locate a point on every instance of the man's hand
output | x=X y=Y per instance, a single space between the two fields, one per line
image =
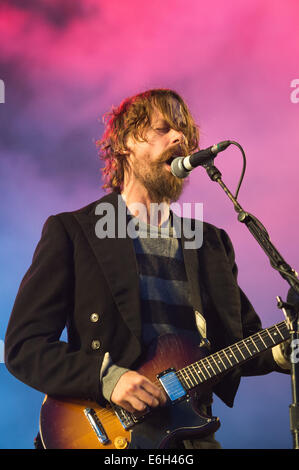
x=281 y=353
x=134 y=392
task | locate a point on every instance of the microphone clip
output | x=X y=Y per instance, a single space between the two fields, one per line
x=213 y=172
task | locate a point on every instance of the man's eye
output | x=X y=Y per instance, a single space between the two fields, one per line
x=163 y=129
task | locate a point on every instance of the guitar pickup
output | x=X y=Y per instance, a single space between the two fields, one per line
x=172 y=385
x=96 y=425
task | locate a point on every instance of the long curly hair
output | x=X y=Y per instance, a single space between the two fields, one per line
x=132 y=118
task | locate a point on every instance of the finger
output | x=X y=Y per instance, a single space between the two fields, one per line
x=132 y=404
x=163 y=398
x=137 y=404
x=127 y=406
x=155 y=391
x=147 y=398
x=150 y=387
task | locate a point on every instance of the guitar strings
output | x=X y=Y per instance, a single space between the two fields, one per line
x=263 y=334
x=236 y=349
x=241 y=344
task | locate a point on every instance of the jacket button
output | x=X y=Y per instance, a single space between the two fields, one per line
x=94 y=317
x=95 y=344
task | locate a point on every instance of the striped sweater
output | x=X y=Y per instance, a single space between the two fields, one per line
x=164 y=290
x=164 y=293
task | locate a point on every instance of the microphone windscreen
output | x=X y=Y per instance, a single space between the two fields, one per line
x=177 y=168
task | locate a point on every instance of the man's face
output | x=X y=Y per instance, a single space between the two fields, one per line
x=150 y=159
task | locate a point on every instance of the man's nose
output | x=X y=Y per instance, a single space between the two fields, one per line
x=177 y=137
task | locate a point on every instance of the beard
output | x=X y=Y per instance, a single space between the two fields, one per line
x=161 y=184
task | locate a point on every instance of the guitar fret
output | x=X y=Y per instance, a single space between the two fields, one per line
x=218 y=354
x=184 y=377
x=200 y=372
x=210 y=364
x=279 y=332
x=231 y=349
x=249 y=344
x=247 y=347
x=270 y=336
x=259 y=343
x=190 y=371
x=227 y=358
x=262 y=340
x=268 y=340
x=190 y=380
x=205 y=367
x=240 y=351
x=212 y=357
x=236 y=353
x=257 y=348
x=196 y=372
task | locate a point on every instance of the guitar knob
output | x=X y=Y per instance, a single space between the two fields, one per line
x=120 y=442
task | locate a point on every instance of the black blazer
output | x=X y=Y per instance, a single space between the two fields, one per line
x=74 y=275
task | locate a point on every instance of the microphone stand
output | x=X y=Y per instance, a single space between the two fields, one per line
x=290 y=308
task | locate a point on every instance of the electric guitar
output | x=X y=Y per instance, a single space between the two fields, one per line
x=78 y=424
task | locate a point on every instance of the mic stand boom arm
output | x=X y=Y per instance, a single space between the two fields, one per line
x=290 y=309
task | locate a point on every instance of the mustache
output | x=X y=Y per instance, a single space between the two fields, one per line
x=178 y=150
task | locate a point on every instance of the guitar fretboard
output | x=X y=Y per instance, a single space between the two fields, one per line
x=225 y=359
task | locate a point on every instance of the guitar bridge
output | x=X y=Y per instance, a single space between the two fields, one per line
x=127 y=419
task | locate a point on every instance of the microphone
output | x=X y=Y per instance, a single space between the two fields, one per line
x=181 y=167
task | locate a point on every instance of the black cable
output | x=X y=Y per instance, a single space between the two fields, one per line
x=243 y=169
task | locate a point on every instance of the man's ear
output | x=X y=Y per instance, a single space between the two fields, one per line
x=121 y=151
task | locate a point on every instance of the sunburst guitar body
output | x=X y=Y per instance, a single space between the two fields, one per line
x=77 y=424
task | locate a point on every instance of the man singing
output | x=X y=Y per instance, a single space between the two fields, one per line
x=118 y=294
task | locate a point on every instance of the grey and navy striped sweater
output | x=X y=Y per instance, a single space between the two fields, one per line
x=164 y=293
x=164 y=290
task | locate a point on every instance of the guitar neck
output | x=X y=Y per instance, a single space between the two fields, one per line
x=232 y=356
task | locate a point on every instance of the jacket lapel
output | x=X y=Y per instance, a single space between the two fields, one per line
x=115 y=254
x=191 y=264
x=220 y=284
x=210 y=277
